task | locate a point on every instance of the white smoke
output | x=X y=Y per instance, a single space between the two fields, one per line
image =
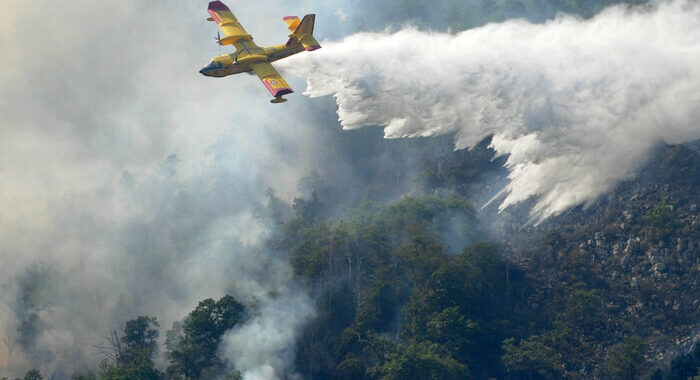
x=263 y=347
x=577 y=104
x=128 y=181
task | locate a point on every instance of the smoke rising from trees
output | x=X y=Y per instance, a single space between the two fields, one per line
x=130 y=184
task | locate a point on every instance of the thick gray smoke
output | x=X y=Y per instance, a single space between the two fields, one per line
x=129 y=182
x=576 y=104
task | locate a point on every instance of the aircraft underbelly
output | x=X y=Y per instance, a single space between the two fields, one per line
x=230 y=70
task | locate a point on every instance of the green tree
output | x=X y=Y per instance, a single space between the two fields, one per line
x=583 y=310
x=194 y=351
x=141 y=367
x=626 y=359
x=140 y=339
x=90 y=375
x=351 y=368
x=662 y=219
x=452 y=329
x=33 y=374
x=686 y=365
x=536 y=357
x=420 y=361
x=131 y=353
x=657 y=375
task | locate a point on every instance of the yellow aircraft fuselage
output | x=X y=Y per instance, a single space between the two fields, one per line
x=242 y=61
x=251 y=57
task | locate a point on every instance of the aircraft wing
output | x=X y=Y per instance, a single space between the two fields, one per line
x=272 y=79
x=232 y=29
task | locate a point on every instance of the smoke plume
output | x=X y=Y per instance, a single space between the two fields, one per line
x=263 y=347
x=576 y=104
x=128 y=181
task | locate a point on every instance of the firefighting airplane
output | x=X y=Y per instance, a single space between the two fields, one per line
x=250 y=57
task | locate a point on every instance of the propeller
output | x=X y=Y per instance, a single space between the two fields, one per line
x=218 y=39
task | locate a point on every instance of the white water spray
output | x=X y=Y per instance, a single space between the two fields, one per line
x=576 y=104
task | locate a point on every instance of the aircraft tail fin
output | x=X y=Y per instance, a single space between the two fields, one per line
x=302 y=31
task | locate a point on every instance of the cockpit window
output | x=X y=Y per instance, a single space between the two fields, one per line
x=211 y=65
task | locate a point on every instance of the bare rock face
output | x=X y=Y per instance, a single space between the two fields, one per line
x=644 y=243
x=616 y=249
x=634 y=282
x=631 y=248
x=659 y=268
x=654 y=255
x=601 y=249
x=680 y=245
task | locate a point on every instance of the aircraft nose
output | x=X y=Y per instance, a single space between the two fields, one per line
x=210 y=66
